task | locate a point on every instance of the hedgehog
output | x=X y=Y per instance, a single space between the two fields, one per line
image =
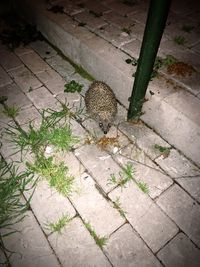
x=101 y=104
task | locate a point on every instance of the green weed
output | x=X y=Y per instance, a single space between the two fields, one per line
x=117 y=205
x=180 y=40
x=126 y=30
x=143 y=186
x=12 y=185
x=165 y=151
x=126 y=176
x=100 y=241
x=59 y=225
x=72 y=87
x=11 y=112
x=56 y=174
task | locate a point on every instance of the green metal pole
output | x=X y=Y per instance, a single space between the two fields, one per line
x=157 y=16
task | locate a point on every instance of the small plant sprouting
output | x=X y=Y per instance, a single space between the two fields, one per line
x=56 y=174
x=125 y=176
x=187 y=28
x=100 y=241
x=126 y=30
x=143 y=186
x=117 y=205
x=180 y=40
x=165 y=151
x=59 y=225
x=72 y=87
x=11 y=112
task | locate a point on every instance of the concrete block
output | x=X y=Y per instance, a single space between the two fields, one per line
x=63 y=67
x=180 y=251
x=146 y=171
x=90 y=155
x=177 y=166
x=30 y=244
x=48 y=205
x=52 y=80
x=76 y=247
x=183 y=210
x=42 y=98
x=15 y=96
x=126 y=249
x=43 y=49
x=186 y=104
x=91 y=21
x=4 y=78
x=94 y=208
x=171 y=124
x=144 y=137
x=191 y=185
x=155 y=228
x=9 y=60
x=25 y=79
x=34 y=62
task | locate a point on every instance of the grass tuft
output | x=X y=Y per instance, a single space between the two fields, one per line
x=100 y=241
x=11 y=112
x=59 y=225
x=56 y=174
x=180 y=40
x=117 y=205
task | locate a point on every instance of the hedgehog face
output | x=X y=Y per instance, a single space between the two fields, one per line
x=105 y=126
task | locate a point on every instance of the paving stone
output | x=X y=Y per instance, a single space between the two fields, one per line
x=185 y=7
x=90 y=155
x=15 y=96
x=180 y=252
x=3 y=260
x=25 y=79
x=30 y=245
x=53 y=81
x=125 y=248
x=94 y=208
x=171 y=124
x=9 y=60
x=74 y=101
x=79 y=131
x=96 y=7
x=146 y=171
x=118 y=20
x=186 y=104
x=155 y=228
x=196 y=48
x=91 y=21
x=71 y=8
x=42 y=98
x=34 y=62
x=121 y=8
x=43 y=49
x=28 y=115
x=54 y=205
x=4 y=78
x=144 y=137
x=21 y=50
x=76 y=247
x=191 y=185
x=114 y=35
x=183 y=210
x=132 y=48
x=74 y=165
x=177 y=166
x=63 y=67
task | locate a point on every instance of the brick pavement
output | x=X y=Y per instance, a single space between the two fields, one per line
x=158 y=228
